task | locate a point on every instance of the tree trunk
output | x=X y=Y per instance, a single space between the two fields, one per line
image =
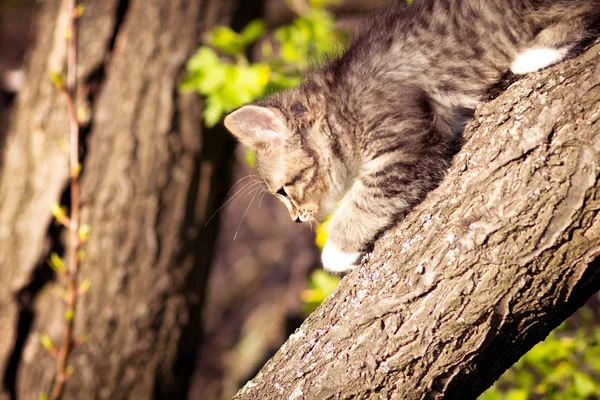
x=504 y=250
x=151 y=178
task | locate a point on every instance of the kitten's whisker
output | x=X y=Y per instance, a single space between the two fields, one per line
x=252 y=189
x=241 y=179
x=230 y=199
x=244 y=216
x=262 y=197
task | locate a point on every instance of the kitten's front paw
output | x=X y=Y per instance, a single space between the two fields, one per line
x=337 y=261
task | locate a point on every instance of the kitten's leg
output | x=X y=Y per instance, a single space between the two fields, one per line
x=534 y=59
x=357 y=220
x=550 y=46
x=374 y=201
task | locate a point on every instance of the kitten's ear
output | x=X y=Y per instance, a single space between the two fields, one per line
x=256 y=126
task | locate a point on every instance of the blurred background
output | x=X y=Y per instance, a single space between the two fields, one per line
x=251 y=275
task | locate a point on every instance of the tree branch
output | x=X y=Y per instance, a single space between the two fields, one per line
x=70 y=275
x=503 y=251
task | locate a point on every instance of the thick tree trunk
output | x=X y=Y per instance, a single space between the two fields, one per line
x=498 y=255
x=150 y=180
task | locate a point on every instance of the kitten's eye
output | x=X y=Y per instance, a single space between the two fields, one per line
x=282 y=192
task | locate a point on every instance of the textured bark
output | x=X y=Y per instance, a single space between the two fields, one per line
x=150 y=179
x=498 y=255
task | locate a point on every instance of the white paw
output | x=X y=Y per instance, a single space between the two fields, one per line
x=337 y=261
x=535 y=59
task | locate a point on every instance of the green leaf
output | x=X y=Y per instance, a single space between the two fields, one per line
x=47 y=342
x=212 y=80
x=322 y=232
x=84 y=287
x=320 y=285
x=491 y=394
x=84 y=233
x=517 y=394
x=190 y=83
x=251 y=157
x=205 y=58
x=252 y=32
x=255 y=78
x=56 y=263
x=323 y=3
x=69 y=315
x=290 y=52
x=324 y=281
x=213 y=111
x=79 y=9
x=58 y=212
x=584 y=385
x=58 y=80
x=226 y=40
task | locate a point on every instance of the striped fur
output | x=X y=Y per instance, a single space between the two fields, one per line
x=368 y=135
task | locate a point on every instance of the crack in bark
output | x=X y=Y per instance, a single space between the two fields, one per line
x=42 y=273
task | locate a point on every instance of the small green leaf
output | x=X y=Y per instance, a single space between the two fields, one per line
x=43 y=396
x=322 y=232
x=517 y=394
x=57 y=80
x=584 y=385
x=204 y=58
x=47 y=342
x=490 y=394
x=76 y=170
x=84 y=287
x=69 y=315
x=320 y=285
x=189 y=83
x=324 y=281
x=226 y=39
x=254 y=30
x=56 y=263
x=211 y=79
x=251 y=157
x=213 y=111
x=290 y=52
x=323 y=3
x=84 y=233
x=58 y=212
x=79 y=9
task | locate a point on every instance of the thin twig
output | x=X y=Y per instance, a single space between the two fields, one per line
x=62 y=373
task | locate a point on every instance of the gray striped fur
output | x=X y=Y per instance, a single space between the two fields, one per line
x=366 y=136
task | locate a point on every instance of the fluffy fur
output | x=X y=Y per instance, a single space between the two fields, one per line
x=366 y=136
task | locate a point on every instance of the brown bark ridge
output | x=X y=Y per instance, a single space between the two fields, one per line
x=498 y=255
x=151 y=178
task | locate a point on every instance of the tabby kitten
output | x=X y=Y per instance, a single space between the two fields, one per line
x=366 y=136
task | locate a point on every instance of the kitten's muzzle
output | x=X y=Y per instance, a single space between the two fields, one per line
x=298 y=220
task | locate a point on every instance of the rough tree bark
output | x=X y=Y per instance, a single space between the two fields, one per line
x=498 y=255
x=151 y=177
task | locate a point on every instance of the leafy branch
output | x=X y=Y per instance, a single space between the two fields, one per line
x=77 y=232
x=222 y=72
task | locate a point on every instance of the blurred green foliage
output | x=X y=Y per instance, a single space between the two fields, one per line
x=320 y=285
x=222 y=73
x=565 y=366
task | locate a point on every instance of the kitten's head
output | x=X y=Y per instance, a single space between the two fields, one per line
x=293 y=154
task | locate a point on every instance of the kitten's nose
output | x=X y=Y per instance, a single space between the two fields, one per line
x=297 y=219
